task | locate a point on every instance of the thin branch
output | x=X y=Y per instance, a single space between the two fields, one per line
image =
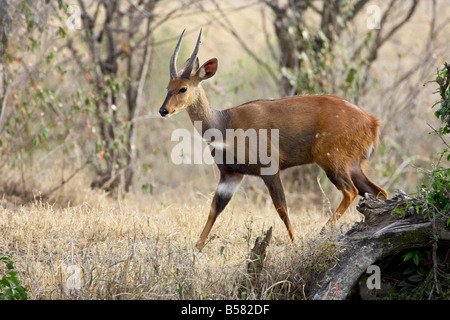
x=437 y=133
x=48 y=193
x=145 y=65
x=228 y=26
x=424 y=58
x=146 y=13
x=266 y=35
x=3 y=108
x=394 y=29
x=379 y=41
x=357 y=7
x=382 y=20
x=75 y=55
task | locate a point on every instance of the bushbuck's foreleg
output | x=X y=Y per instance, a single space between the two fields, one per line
x=276 y=191
x=228 y=185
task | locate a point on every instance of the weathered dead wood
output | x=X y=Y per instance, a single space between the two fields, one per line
x=381 y=235
x=255 y=265
x=258 y=254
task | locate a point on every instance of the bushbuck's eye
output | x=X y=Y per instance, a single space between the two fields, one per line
x=182 y=90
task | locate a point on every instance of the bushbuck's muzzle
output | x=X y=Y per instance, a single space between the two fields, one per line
x=163 y=111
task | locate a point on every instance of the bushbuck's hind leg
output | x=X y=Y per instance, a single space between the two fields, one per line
x=275 y=187
x=228 y=185
x=364 y=184
x=342 y=180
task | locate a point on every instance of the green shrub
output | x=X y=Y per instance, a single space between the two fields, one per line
x=10 y=288
x=430 y=272
x=433 y=199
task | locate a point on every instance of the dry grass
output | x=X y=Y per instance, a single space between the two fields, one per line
x=142 y=247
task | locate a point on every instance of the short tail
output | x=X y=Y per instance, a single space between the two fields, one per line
x=374 y=128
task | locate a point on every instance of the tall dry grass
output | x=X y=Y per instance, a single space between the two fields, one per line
x=142 y=247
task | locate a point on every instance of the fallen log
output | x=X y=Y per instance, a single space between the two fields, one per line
x=381 y=235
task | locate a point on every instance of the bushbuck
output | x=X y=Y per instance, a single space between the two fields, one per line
x=327 y=130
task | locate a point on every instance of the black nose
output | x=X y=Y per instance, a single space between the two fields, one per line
x=163 y=112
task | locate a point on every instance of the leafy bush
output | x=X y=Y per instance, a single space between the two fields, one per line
x=433 y=200
x=10 y=288
x=443 y=80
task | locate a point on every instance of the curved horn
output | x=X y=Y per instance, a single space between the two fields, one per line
x=187 y=71
x=173 y=60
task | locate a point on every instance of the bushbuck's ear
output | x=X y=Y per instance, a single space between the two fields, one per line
x=207 y=70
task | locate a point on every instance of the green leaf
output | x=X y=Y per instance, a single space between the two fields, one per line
x=61 y=32
x=415 y=255
x=350 y=75
x=416 y=278
x=10 y=288
x=180 y=291
x=45 y=134
x=98 y=146
x=7 y=260
x=408 y=256
x=416 y=259
x=22 y=294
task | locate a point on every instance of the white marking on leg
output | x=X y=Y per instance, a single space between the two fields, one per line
x=227 y=188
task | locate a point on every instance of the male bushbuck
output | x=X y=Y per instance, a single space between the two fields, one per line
x=323 y=129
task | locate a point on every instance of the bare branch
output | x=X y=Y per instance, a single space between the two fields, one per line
x=64 y=181
x=266 y=35
x=228 y=26
x=380 y=41
x=356 y=8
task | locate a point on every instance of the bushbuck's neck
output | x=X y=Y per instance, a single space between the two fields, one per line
x=200 y=110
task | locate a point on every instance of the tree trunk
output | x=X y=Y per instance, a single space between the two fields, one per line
x=119 y=48
x=5 y=21
x=368 y=243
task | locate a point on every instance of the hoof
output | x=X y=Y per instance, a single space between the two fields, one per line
x=200 y=244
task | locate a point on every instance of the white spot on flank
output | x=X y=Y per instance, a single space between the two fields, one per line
x=317 y=135
x=227 y=188
x=328 y=154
